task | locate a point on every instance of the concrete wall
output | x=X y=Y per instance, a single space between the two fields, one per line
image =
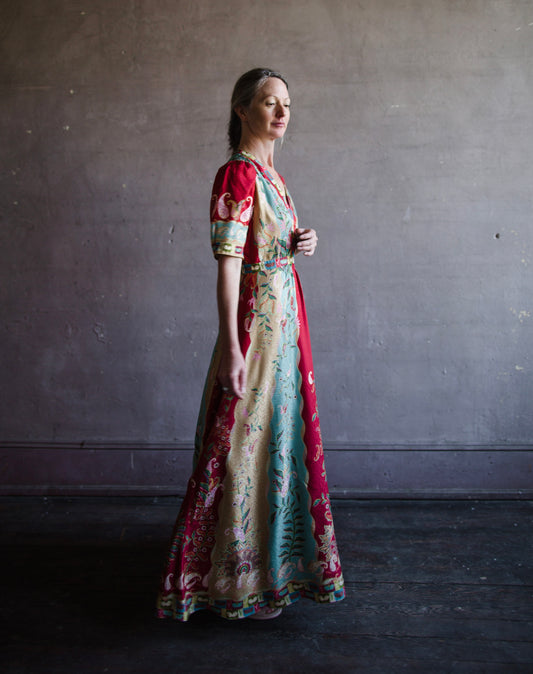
x=410 y=150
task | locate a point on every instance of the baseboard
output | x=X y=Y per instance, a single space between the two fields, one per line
x=413 y=472
x=155 y=491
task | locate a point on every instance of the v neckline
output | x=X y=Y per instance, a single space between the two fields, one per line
x=284 y=195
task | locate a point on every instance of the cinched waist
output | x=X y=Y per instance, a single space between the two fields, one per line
x=267 y=264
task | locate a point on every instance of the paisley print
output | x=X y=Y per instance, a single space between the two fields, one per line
x=255 y=527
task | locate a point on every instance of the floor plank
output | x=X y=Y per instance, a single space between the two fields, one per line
x=432 y=587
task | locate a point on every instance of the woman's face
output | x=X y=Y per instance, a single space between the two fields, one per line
x=268 y=114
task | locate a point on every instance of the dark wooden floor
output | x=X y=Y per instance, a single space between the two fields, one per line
x=433 y=586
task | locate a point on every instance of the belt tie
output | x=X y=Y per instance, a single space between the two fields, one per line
x=267 y=264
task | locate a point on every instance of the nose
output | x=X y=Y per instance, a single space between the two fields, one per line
x=280 y=110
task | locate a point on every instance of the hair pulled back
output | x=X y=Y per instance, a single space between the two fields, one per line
x=244 y=91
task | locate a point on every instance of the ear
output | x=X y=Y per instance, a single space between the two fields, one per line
x=240 y=111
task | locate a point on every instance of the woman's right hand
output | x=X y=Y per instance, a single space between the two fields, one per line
x=232 y=373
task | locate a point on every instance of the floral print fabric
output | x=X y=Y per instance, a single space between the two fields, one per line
x=255 y=528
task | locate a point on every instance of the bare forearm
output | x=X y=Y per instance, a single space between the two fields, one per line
x=232 y=368
x=229 y=272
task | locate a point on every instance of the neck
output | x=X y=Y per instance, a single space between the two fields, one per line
x=262 y=151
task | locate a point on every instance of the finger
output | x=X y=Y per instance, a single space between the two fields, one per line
x=238 y=383
x=309 y=237
x=226 y=384
x=233 y=385
x=241 y=385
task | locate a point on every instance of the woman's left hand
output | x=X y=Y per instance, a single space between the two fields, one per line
x=306 y=241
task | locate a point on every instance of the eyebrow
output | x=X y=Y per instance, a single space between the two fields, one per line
x=277 y=97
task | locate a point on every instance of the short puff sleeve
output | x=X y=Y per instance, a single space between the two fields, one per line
x=232 y=204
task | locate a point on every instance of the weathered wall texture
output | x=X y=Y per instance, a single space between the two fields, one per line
x=410 y=150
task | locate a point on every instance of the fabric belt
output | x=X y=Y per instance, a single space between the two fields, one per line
x=267 y=264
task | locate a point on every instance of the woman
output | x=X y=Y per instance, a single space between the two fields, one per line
x=255 y=531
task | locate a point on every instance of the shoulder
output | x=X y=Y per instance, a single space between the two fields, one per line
x=237 y=170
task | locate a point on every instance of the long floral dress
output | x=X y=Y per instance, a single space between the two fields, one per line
x=255 y=528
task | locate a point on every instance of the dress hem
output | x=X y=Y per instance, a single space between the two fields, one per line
x=171 y=606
